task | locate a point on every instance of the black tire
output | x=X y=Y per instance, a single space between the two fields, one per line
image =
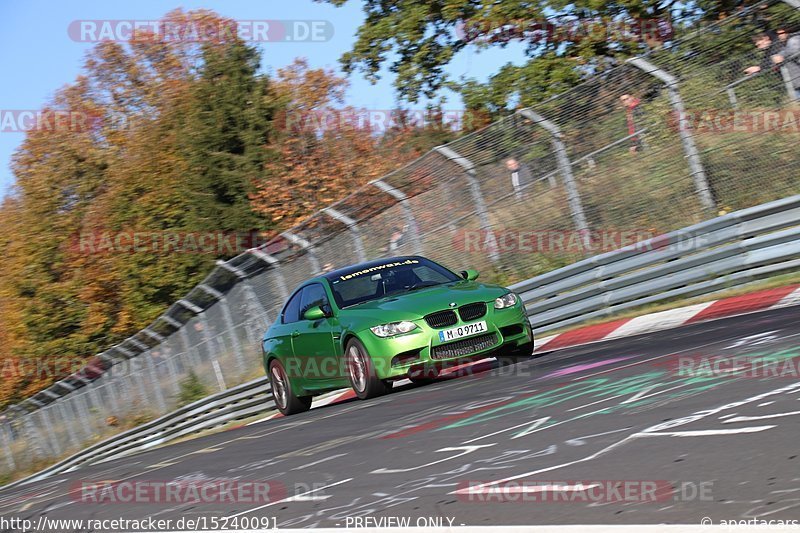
x=517 y=355
x=285 y=399
x=361 y=372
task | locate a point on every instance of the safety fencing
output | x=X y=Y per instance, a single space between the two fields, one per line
x=717 y=254
x=636 y=152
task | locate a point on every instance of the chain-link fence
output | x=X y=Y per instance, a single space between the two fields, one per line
x=655 y=144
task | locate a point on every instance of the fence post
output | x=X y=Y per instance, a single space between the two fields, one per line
x=305 y=245
x=402 y=198
x=276 y=268
x=732 y=97
x=171 y=357
x=69 y=424
x=51 y=434
x=789 y=83
x=565 y=168
x=5 y=430
x=137 y=375
x=352 y=225
x=477 y=197
x=222 y=301
x=212 y=356
x=704 y=190
x=147 y=355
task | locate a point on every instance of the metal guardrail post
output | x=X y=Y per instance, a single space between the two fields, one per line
x=111 y=396
x=140 y=377
x=153 y=376
x=477 y=197
x=212 y=355
x=48 y=426
x=352 y=225
x=402 y=198
x=788 y=83
x=276 y=269
x=254 y=307
x=69 y=424
x=704 y=191
x=732 y=97
x=4 y=432
x=305 y=245
x=35 y=440
x=565 y=166
x=222 y=301
x=186 y=355
x=167 y=360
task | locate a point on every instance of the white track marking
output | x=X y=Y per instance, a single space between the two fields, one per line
x=538 y=423
x=466 y=450
x=320 y=461
x=762 y=417
x=711 y=432
x=291 y=498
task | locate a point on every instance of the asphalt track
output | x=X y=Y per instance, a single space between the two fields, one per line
x=723 y=446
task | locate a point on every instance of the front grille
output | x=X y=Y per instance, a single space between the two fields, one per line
x=464 y=346
x=441 y=319
x=472 y=311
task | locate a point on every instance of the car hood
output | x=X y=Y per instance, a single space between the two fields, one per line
x=420 y=302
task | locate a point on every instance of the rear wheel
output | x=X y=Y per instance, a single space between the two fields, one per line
x=361 y=372
x=285 y=399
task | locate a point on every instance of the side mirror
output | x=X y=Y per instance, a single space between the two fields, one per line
x=470 y=274
x=314 y=313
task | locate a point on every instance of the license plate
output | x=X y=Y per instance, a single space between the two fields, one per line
x=466 y=330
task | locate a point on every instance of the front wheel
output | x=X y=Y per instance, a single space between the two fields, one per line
x=285 y=399
x=361 y=372
x=517 y=355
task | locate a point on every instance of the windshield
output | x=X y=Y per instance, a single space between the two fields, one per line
x=386 y=279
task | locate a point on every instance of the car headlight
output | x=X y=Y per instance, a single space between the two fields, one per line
x=393 y=328
x=508 y=300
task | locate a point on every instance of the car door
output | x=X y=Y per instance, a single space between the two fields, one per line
x=314 y=342
x=279 y=339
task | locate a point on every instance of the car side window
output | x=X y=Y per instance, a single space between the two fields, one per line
x=313 y=295
x=291 y=313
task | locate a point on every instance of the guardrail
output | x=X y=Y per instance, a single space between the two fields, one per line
x=717 y=254
x=246 y=400
x=721 y=253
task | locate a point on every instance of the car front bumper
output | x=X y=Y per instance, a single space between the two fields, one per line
x=508 y=332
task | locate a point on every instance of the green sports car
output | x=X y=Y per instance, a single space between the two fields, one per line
x=367 y=325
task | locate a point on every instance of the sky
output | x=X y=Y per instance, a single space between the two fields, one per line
x=38 y=55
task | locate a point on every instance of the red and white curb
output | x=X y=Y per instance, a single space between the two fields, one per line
x=616 y=329
x=672 y=318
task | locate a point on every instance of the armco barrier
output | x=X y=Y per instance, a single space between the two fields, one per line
x=720 y=253
x=724 y=252
x=249 y=399
x=584 y=163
